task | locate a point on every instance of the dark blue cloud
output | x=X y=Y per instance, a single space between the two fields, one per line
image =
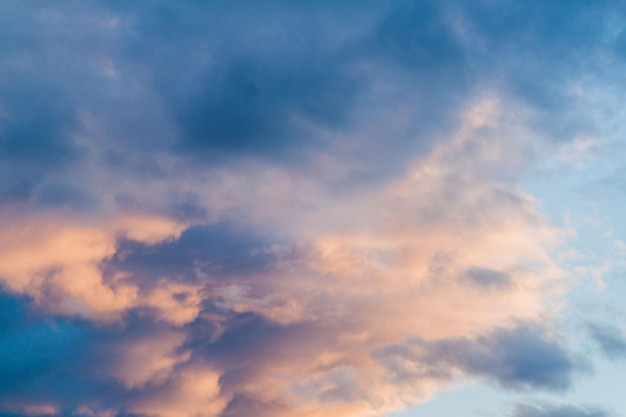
x=418 y=36
x=55 y=195
x=234 y=88
x=35 y=127
x=213 y=81
x=536 y=50
x=297 y=85
x=42 y=359
x=67 y=362
x=29 y=346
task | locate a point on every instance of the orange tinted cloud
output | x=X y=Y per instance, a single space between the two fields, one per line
x=437 y=253
x=57 y=260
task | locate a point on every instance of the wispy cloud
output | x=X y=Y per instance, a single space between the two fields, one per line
x=560 y=411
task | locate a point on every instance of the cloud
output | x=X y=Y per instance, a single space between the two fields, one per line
x=610 y=339
x=284 y=306
x=233 y=209
x=488 y=278
x=560 y=411
x=521 y=357
x=34 y=123
x=56 y=260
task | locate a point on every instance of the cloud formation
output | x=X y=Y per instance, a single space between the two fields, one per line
x=610 y=339
x=521 y=357
x=560 y=411
x=232 y=209
x=282 y=308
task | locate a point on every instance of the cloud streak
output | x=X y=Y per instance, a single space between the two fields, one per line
x=557 y=411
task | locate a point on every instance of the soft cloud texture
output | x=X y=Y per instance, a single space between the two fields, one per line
x=57 y=262
x=234 y=209
x=295 y=315
x=560 y=411
x=610 y=339
x=521 y=357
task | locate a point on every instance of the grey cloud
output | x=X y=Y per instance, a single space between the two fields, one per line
x=560 y=411
x=489 y=278
x=243 y=405
x=220 y=251
x=251 y=344
x=520 y=358
x=524 y=357
x=610 y=339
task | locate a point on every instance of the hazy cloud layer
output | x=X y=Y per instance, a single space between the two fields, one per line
x=610 y=339
x=560 y=411
x=270 y=209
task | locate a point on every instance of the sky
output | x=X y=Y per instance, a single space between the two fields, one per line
x=310 y=209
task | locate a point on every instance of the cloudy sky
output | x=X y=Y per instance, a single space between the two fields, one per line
x=312 y=208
